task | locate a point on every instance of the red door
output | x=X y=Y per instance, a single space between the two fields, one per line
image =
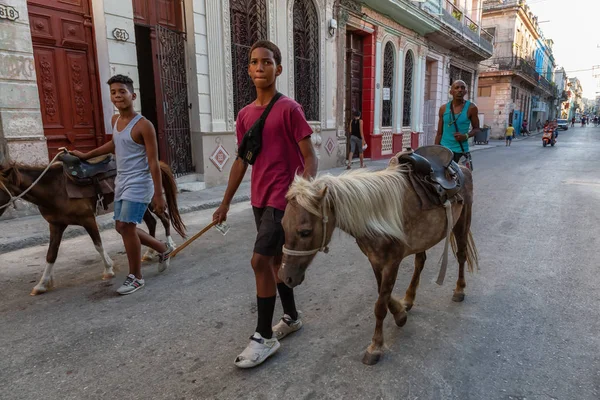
x=64 y=53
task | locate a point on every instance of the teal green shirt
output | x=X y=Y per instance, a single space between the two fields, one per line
x=464 y=126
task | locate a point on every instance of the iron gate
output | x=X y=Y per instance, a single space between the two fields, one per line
x=176 y=139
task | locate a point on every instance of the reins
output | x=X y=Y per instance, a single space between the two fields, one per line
x=13 y=199
x=324 y=248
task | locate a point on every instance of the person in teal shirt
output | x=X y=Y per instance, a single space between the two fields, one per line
x=458 y=121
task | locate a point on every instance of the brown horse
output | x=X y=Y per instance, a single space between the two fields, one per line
x=382 y=212
x=50 y=196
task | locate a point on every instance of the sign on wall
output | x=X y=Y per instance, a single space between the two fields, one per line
x=386 y=93
x=8 y=12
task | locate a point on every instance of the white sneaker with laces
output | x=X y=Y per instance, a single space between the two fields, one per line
x=131 y=285
x=257 y=351
x=287 y=325
x=164 y=259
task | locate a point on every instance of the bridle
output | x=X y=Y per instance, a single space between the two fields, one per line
x=324 y=248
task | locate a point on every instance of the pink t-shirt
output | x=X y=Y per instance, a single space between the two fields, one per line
x=280 y=157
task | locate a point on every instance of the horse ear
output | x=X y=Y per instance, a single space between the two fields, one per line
x=323 y=192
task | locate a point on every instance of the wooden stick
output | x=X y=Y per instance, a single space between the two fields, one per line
x=190 y=240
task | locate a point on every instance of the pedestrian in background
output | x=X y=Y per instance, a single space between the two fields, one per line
x=510 y=132
x=357 y=139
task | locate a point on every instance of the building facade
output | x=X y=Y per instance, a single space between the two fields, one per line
x=392 y=60
x=516 y=83
x=562 y=93
x=575 y=98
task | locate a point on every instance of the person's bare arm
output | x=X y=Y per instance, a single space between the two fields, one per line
x=159 y=203
x=473 y=115
x=106 y=148
x=440 y=129
x=236 y=175
x=310 y=158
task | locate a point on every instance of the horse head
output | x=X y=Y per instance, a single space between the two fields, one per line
x=308 y=224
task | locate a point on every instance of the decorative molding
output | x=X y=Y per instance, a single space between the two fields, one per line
x=330 y=146
x=272 y=34
x=9 y=13
x=120 y=34
x=322 y=39
x=48 y=88
x=78 y=91
x=228 y=66
x=220 y=157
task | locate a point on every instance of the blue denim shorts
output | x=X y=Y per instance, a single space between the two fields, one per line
x=129 y=211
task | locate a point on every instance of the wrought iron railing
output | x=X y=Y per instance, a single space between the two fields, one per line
x=455 y=17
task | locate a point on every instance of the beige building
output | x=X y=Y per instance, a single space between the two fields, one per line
x=514 y=84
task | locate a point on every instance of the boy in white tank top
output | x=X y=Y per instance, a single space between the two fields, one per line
x=138 y=180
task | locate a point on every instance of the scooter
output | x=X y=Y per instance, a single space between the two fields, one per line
x=549 y=137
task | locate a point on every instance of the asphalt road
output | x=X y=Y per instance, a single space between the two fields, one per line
x=528 y=328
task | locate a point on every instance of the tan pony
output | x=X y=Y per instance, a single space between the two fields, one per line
x=382 y=212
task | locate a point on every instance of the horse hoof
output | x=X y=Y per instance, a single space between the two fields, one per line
x=37 y=291
x=372 y=358
x=407 y=305
x=458 y=297
x=401 y=319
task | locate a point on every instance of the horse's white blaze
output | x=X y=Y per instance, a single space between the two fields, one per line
x=108 y=263
x=45 y=282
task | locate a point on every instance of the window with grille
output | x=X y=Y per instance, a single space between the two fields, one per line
x=306 y=57
x=248 y=25
x=408 y=84
x=388 y=86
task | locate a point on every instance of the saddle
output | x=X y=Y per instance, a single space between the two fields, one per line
x=434 y=165
x=97 y=173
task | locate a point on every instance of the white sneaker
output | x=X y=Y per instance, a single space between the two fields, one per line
x=131 y=285
x=287 y=325
x=257 y=351
x=164 y=259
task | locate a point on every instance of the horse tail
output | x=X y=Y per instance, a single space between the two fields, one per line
x=472 y=253
x=170 y=187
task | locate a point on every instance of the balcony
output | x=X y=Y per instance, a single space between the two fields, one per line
x=539 y=106
x=459 y=32
x=524 y=68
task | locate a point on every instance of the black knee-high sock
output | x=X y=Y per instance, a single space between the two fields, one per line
x=287 y=300
x=266 y=308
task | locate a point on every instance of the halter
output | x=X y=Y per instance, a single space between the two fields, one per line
x=324 y=248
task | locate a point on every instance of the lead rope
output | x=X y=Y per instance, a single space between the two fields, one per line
x=13 y=199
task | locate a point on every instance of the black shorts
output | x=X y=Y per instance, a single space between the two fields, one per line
x=270 y=237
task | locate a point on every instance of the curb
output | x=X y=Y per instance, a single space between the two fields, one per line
x=105 y=224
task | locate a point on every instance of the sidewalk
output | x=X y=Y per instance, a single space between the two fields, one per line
x=32 y=230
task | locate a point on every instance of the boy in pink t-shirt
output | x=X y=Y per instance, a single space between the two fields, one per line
x=286 y=151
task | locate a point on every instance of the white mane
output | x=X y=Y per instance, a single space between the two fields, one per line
x=366 y=204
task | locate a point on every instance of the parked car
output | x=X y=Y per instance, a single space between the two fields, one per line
x=562 y=124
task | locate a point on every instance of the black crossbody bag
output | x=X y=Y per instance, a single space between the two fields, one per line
x=252 y=141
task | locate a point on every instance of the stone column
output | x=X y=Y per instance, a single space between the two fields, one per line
x=219 y=66
x=21 y=129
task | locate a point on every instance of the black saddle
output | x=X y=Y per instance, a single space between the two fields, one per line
x=86 y=172
x=434 y=164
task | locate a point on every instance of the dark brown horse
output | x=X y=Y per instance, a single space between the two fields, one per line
x=381 y=210
x=50 y=196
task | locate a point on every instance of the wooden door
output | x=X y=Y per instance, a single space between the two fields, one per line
x=354 y=66
x=65 y=63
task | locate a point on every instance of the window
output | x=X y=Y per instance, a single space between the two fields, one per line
x=306 y=57
x=491 y=31
x=408 y=83
x=248 y=25
x=388 y=85
x=484 y=91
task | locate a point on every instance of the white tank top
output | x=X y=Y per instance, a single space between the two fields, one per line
x=133 y=182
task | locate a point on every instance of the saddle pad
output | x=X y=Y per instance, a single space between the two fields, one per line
x=75 y=191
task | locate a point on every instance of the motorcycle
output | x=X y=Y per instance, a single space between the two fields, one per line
x=549 y=137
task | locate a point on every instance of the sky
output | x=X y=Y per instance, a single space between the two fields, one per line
x=573 y=25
